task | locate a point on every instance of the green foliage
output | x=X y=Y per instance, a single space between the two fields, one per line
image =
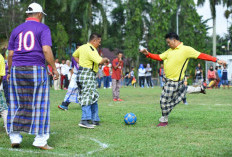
x=60 y=39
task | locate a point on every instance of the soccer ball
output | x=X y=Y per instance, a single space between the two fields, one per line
x=130 y=118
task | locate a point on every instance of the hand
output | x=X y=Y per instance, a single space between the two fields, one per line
x=55 y=75
x=144 y=51
x=221 y=62
x=8 y=77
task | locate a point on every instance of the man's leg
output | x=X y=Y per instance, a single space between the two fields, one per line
x=197 y=89
x=86 y=116
x=4 y=116
x=5 y=88
x=118 y=89
x=15 y=139
x=95 y=117
x=114 y=89
x=64 y=105
x=40 y=140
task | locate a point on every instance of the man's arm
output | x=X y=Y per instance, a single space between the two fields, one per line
x=206 y=57
x=150 y=55
x=10 y=55
x=50 y=59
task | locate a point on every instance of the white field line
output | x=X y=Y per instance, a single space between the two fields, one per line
x=102 y=147
x=33 y=152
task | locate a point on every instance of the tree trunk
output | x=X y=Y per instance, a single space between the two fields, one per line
x=214 y=38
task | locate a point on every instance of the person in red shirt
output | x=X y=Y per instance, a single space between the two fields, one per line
x=50 y=75
x=106 y=78
x=117 y=66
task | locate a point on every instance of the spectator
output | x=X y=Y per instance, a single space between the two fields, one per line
x=148 y=76
x=57 y=82
x=110 y=77
x=217 y=80
x=62 y=73
x=100 y=75
x=50 y=75
x=131 y=76
x=211 y=76
x=161 y=75
x=66 y=72
x=225 y=77
x=106 y=73
x=141 y=71
x=199 y=74
x=219 y=71
x=117 y=66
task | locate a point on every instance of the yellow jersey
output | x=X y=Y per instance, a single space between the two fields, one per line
x=88 y=56
x=176 y=61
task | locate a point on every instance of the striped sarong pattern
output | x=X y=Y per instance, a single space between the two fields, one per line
x=87 y=86
x=29 y=109
x=172 y=93
x=72 y=93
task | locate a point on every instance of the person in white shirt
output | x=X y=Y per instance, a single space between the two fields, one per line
x=141 y=72
x=57 y=82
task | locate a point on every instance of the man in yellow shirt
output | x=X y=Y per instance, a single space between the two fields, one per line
x=3 y=106
x=175 y=63
x=88 y=58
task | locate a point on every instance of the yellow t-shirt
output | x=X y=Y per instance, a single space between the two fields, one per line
x=2 y=66
x=176 y=61
x=88 y=56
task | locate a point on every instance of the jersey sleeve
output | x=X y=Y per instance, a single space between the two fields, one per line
x=164 y=55
x=192 y=53
x=76 y=53
x=95 y=57
x=46 y=38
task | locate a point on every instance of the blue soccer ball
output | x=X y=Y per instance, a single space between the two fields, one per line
x=130 y=118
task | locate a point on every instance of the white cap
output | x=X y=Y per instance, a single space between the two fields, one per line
x=35 y=8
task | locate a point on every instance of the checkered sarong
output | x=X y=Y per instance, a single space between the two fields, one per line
x=29 y=109
x=87 y=86
x=3 y=105
x=172 y=94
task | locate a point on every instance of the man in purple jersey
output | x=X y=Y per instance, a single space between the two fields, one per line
x=29 y=107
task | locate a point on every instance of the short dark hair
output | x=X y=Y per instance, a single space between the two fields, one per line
x=172 y=35
x=94 y=36
x=119 y=52
x=79 y=44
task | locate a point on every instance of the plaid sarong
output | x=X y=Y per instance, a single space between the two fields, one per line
x=29 y=109
x=87 y=86
x=172 y=93
x=3 y=105
x=72 y=93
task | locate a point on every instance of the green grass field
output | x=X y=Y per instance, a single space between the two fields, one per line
x=202 y=128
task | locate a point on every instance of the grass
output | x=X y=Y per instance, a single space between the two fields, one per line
x=202 y=128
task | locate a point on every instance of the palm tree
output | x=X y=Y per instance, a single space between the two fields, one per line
x=213 y=4
x=87 y=8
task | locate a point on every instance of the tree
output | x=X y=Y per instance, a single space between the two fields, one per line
x=213 y=4
x=61 y=40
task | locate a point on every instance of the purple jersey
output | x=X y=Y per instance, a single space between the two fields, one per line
x=27 y=40
x=74 y=65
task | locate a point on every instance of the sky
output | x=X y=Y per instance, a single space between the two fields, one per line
x=221 y=22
